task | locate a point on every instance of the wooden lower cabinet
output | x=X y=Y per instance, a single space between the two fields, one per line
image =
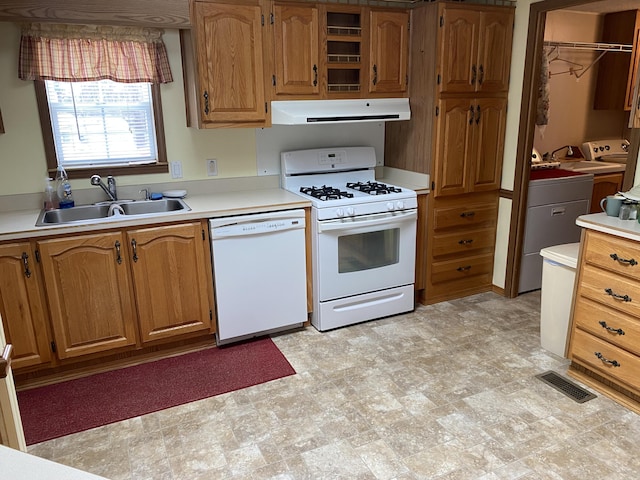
x=603 y=185
x=604 y=344
x=170 y=278
x=460 y=246
x=22 y=305
x=89 y=293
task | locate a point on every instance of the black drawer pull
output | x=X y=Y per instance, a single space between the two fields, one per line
x=467 y=214
x=604 y=359
x=25 y=261
x=466 y=242
x=464 y=269
x=631 y=261
x=604 y=325
x=624 y=298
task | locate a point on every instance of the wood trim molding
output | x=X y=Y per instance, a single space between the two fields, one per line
x=151 y=13
x=504 y=193
x=5 y=361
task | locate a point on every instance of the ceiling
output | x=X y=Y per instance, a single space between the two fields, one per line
x=607 y=6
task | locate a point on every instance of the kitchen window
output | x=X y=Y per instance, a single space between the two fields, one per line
x=98 y=95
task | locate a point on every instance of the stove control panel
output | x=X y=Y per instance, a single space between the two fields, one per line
x=605 y=148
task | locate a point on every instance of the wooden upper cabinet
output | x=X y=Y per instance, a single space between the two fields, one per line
x=490 y=127
x=388 y=51
x=617 y=70
x=296 y=50
x=172 y=279
x=475 y=51
x=89 y=293
x=230 y=58
x=22 y=305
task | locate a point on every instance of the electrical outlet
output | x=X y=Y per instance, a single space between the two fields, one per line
x=176 y=169
x=212 y=167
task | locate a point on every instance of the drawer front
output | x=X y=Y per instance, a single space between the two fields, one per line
x=462 y=241
x=460 y=268
x=465 y=215
x=614 y=363
x=611 y=290
x=608 y=324
x=613 y=253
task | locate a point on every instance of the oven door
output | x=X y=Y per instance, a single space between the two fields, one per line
x=365 y=254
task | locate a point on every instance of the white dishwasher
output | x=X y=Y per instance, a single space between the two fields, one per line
x=259 y=273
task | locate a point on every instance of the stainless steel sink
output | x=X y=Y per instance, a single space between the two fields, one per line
x=107 y=211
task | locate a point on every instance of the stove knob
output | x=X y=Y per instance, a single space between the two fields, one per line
x=390 y=206
x=400 y=205
x=340 y=212
x=350 y=211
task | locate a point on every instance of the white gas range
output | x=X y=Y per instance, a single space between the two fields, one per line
x=363 y=235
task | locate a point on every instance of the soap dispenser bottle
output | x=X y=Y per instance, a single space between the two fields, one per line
x=63 y=188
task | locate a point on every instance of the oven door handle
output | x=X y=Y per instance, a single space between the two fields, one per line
x=386 y=219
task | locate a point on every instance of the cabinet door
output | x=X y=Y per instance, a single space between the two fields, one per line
x=89 y=293
x=488 y=131
x=296 y=50
x=22 y=306
x=454 y=129
x=494 y=50
x=172 y=280
x=603 y=185
x=459 y=50
x=229 y=47
x=388 y=52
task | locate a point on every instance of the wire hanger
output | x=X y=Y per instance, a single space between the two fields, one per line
x=573 y=66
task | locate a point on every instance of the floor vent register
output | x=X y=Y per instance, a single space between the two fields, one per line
x=570 y=389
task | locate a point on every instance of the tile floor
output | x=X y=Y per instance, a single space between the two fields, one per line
x=445 y=392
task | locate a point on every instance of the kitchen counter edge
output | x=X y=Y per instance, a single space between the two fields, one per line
x=601 y=222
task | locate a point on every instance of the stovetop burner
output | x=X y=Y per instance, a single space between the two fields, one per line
x=373 y=188
x=325 y=193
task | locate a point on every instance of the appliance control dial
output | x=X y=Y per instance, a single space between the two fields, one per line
x=400 y=205
x=350 y=211
x=340 y=212
x=390 y=206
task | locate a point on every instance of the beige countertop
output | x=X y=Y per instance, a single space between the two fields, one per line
x=17 y=465
x=601 y=222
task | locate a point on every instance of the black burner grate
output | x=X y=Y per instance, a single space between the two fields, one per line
x=325 y=193
x=373 y=188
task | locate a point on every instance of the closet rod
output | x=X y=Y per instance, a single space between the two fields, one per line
x=607 y=47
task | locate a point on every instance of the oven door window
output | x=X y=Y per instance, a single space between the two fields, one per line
x=364 y=251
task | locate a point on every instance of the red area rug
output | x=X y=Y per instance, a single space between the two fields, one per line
x=76 y=405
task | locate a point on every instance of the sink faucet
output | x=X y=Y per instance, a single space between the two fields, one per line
x=569 y=152
x=109 y=189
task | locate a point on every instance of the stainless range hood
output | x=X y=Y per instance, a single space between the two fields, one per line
x=314 y=112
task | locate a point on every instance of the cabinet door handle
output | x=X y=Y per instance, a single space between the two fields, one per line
x=624 y=298
x=470 y=114
x=206 y=102
x=631 y=261
x=481 y=75
x=477 y=114
x=119 y=257
x=375 y=74
x=467 y=214
x=134 y=245
x=474 y=74
x=315 y=75
x=604 y=325
x=614 y=363
x=25 y=262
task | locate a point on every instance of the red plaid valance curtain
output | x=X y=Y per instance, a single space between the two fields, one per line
x=76 y=53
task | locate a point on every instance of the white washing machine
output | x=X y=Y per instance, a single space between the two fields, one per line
x=556 y=198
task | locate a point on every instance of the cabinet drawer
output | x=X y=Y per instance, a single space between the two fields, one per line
x=461 y=268
x=463 y=241
x=613 y=253
x=608 y=324
x=587 y=349
x=610 y=289
x=465 y=215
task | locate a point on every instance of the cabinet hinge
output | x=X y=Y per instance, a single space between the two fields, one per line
x=441 y=20
x=37 y=255
x=433 y=185
x=273 y=80
x=262 y=20
x=437 y=111
x=203 y=235
x=439 y=79
x=409 y=25
x=53 y=347
x=266 y=107
x=210 y=314
x=273 y=18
